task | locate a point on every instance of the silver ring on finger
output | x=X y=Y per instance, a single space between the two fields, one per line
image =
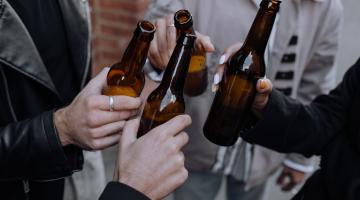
x=111 y=103
x=171 y=25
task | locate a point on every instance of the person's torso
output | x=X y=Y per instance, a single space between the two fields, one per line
x=34 y=68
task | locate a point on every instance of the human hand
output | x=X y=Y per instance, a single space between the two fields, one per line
x=164 y=42
x=222 y=63
x=289 y=178
x=154 y=163
x=88 y=123
x=263 y=87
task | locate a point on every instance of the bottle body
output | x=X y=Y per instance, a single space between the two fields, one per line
x=197 y=78
x=232 y=102
x=230 y=109
x=167 y=100
x=159 y=108
x=119 y=83
x=127 y=77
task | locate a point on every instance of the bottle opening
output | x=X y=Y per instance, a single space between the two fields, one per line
x=147 y=26
x=183 y=16
x=183 y=19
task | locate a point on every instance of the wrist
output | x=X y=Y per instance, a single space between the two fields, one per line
x=61 y=127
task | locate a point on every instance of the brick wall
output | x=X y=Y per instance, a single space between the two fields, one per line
x=113 y=22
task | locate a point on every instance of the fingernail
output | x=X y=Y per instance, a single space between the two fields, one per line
x=222 y=59
x=263 y=84
x=216 y=79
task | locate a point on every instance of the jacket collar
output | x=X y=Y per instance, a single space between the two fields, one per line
x=18 y=49
x=76 y=16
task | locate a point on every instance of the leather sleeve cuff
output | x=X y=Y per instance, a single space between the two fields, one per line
x=116 y=191
x=65 y=159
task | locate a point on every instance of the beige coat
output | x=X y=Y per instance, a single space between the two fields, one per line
x=317 y=25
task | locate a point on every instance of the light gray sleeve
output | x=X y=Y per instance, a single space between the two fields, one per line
x=320 y=72
x=161 y=8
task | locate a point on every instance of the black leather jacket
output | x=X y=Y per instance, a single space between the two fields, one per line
x=328 y=127
x=29 y=144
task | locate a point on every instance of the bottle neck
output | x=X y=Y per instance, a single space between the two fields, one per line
x=176 y=71
x=261 y=28
x=135 y=54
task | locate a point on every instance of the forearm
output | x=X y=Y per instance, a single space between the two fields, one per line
x=288 y=126
x=30 y=149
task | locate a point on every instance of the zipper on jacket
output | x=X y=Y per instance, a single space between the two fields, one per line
x=26 y=189
x=26 y=185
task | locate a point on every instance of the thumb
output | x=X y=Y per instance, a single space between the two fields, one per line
x=129 y=134
x=99 y=81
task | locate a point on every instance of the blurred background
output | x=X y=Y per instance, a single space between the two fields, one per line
x=114 y=21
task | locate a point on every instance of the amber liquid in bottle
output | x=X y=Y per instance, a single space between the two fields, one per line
x=237 y=89
x=197 y=79
x=167 y=100
x=126 y=77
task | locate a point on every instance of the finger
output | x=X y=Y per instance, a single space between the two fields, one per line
x=129 y=134
x=232 y=49
x=172 y=127
x=106 y=142
x=289 y=186
x=161 y=41
x=264 y=86
x=98 y=82
x=170 y=34
x=120 y=103
x=101 y=118
x=281 y=179
x=180 y=140
x=154 y=55
x=108 y=129
x=204 y=42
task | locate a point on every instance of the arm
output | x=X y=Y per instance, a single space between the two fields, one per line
x=288 y=126
x=30 y=149
x=319 y=75
x=42 y=147
x=318 y=78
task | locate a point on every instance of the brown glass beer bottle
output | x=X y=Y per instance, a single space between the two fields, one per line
x=167 y=100
x=126 y=77
x=197 y=78
x=237 y=89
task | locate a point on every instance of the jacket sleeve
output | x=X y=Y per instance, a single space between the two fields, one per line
x=30 y=149
x=289 y=126
x=319 y=75
x=119 y=191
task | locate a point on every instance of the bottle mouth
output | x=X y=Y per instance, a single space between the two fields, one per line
x=145 y=30
x=183 y=19
x=146 y=26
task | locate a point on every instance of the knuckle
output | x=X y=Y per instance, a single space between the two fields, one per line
x=93 y=133
x=91 y=120
x=90 y=102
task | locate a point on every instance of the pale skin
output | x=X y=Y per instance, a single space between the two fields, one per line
x=164 y=42
x=152 y=164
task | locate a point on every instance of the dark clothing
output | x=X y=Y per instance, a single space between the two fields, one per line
x=30 y=91
x=43 y=20
x=116 y=191
x=329 y=126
